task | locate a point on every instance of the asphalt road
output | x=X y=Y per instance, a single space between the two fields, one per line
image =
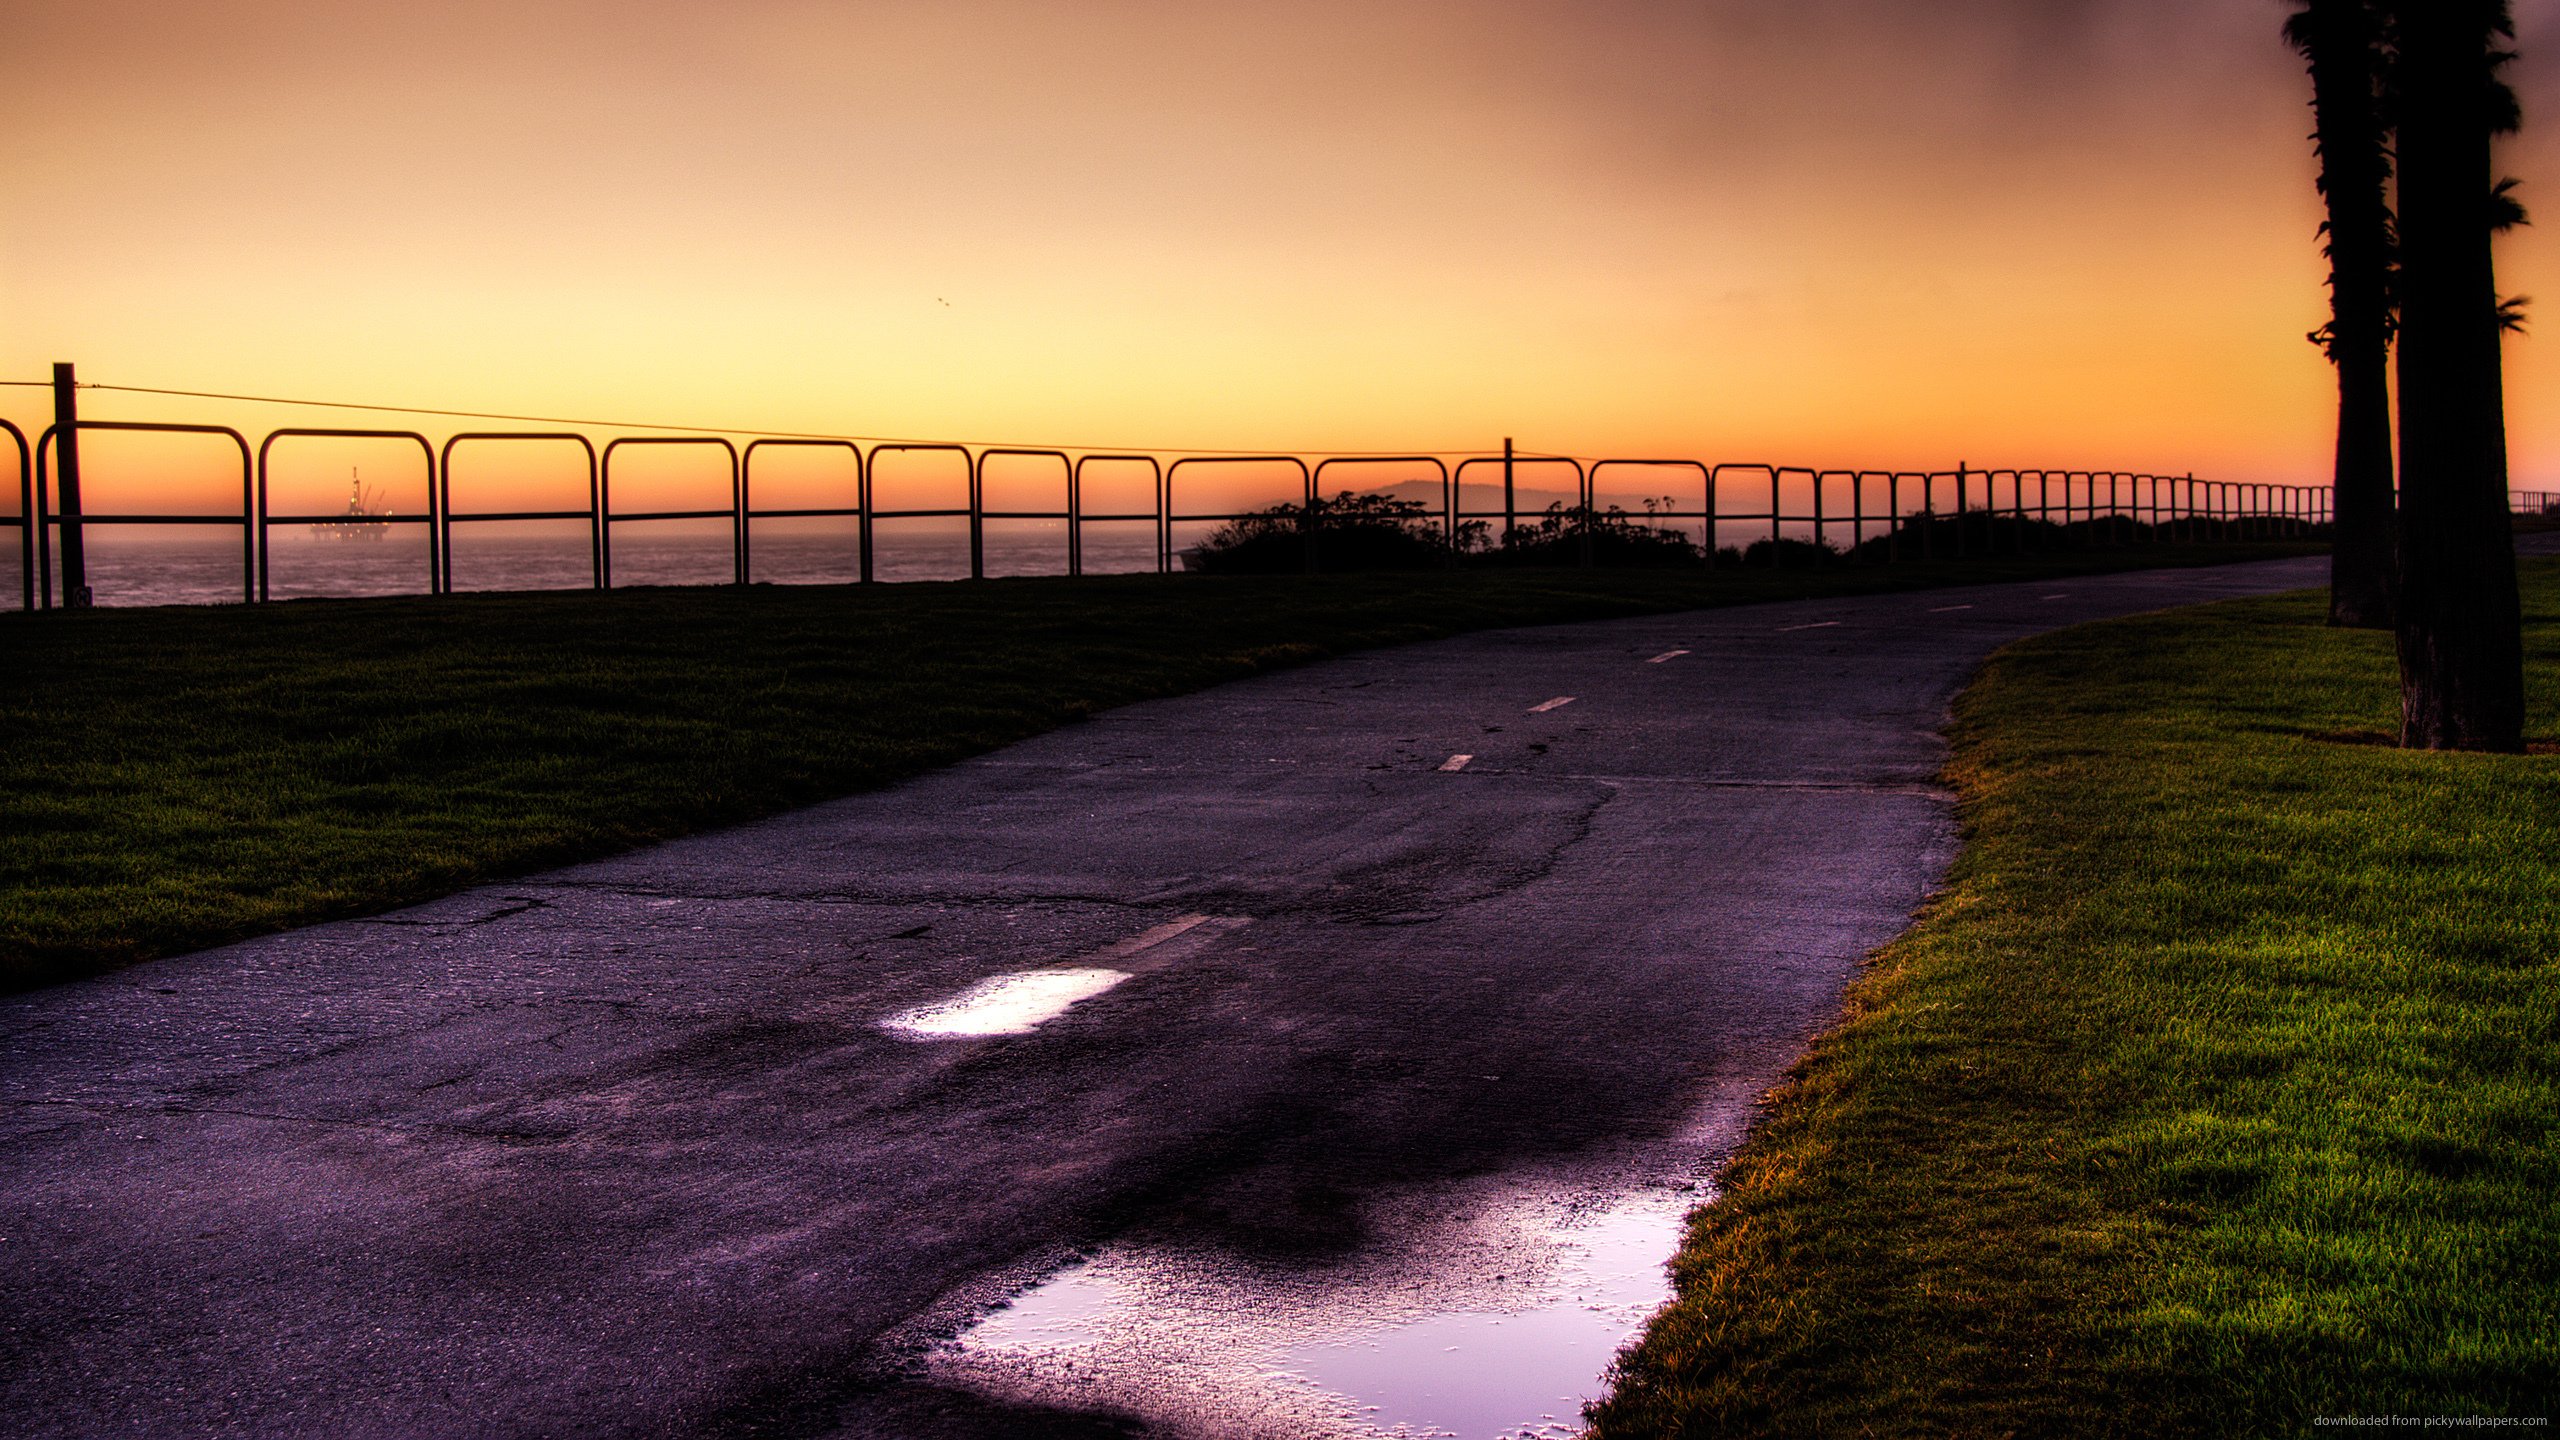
x=624 y=1150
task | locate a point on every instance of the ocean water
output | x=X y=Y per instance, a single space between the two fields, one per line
x=203 y=565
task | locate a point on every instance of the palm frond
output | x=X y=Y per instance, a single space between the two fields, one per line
x=2506 y=212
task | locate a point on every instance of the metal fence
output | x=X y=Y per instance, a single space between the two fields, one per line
x=1933 y=513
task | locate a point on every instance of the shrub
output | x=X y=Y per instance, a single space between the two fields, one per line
x=1611 y=537
x=1351 y=532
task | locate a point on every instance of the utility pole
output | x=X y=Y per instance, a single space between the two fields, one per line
x=66 y=456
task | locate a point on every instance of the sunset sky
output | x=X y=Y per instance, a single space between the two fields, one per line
x=1833 y=232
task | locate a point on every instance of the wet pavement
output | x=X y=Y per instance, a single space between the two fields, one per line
x=1289 y=1073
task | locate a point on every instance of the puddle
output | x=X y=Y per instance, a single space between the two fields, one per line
x=1502 y=1327
x=1515 y=1372
x=1014 y=1004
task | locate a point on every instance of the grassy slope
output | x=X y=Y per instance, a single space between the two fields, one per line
x=176 y=778
x=2217 y=1092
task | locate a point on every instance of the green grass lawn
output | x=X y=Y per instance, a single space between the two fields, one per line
x=176 y=778
x=2216 y=1094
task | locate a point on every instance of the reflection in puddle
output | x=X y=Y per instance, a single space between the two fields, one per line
x=1505 y=1331
x=1005 y=1004
x=1505 y=1373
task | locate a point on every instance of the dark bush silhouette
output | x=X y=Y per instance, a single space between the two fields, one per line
x=1577 y=536
x=1350 y=532
x=1787 y=551
x=1376 y=532
x=1987 y=533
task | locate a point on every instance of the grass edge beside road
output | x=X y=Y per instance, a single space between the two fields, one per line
x=2215 y=1094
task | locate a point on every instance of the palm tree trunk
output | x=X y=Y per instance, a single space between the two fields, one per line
x=2343 y=41
x=2361 y=562
x=2460 y=630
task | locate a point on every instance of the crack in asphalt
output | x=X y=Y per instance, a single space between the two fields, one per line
x=1216 y=892
x=907 y=897
x=415 y=1127
x=529 y=903
x=1919 y=789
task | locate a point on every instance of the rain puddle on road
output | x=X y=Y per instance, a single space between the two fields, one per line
x=1502 y=1328
x=1014 y=1004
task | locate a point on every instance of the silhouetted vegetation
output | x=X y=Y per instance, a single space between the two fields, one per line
x=1611 y=537
x=1371 y=532
x=1345 y=534
x=1939 y=536
x=1786 y=552
x=1376 y=532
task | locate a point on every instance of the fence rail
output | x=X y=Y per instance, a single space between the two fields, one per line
x=1992 y=511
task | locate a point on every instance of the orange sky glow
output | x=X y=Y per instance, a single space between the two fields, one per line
x=1833 y=232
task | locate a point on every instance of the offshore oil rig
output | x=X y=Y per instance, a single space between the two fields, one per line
x=364 y=516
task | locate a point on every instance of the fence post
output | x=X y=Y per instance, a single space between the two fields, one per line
x=1963 y=472
x=1510 y=505
x=1449 y=513
x=1777 y=516
x=1311 y=522
x=66 y=457
x=1709 y=505
x=977 y=520
x=1588 y=494
x=862 y=522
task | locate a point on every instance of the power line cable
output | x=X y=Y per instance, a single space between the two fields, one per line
x=738 y=430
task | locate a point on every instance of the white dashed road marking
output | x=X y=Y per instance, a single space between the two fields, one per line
x=2053 y=597
x=1153 y=936
x=1456 y=763
x=1816 y=625
x=1943 y=609
x=1557 y=703
x=1666 y=655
